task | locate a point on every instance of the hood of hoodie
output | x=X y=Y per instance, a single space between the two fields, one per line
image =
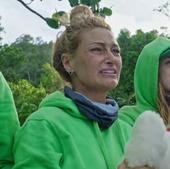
x=59 y=100
x=146 y=72
x=146 y=79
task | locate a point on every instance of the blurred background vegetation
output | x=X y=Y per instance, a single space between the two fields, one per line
x=26 y=64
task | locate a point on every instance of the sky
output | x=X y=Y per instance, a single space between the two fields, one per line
x=129 y=14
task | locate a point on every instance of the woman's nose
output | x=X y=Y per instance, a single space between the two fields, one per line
x=109 y=57
x=109 y=61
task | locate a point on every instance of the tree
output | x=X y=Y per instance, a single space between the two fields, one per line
x=55 y=22
x=27 y=98
x=50 y=79
x=36 y=53
x=11 y=62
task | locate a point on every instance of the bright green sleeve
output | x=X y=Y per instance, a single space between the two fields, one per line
x=37 y=146
x=8 y=124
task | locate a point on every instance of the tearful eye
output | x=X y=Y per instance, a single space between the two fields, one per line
x=97 y=50
x=116 y=51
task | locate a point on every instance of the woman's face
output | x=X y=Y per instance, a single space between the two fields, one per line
x=164 y=73
x=97 y=62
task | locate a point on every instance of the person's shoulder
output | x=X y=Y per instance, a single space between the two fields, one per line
x=52 y=106
x=122 y=130
x=128 y=114
x=47 y=113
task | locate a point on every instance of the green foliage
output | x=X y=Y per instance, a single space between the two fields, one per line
x=27 y=97
x=36 y=53
x=85 y=2
x=11 y=61
x=90 y=2
x=106 y=11
x=94 y=5
x=52 y=23
x=56 y=15
x=73 y=2
x=50 y=79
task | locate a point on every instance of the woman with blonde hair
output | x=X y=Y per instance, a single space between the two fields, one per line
x=77 y=128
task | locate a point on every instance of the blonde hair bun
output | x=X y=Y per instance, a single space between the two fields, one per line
x=79 y=12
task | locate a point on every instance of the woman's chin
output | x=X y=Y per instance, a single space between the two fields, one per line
x=110 y=85
x=113 y=83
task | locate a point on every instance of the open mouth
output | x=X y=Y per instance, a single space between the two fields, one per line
x=109 y=72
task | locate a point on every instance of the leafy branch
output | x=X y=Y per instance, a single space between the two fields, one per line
x=55 y=22
x=26 y=6
x=51 y=22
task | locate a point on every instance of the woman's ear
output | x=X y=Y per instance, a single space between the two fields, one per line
x=66 y=60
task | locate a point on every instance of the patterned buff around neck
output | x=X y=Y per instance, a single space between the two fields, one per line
x=92 y=110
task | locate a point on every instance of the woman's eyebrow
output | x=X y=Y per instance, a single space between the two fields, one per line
x=97 y=42
x=104 y=44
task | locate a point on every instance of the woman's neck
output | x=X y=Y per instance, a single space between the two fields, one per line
x=93 y=95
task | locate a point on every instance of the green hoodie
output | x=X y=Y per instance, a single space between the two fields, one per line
x=146 y=80
x=8 y=125
x=57 y=136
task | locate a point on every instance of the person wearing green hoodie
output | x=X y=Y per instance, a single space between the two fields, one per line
x=8 y=125
x=78 y=128
x=151 y=82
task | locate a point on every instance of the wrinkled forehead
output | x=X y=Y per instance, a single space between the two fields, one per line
x=99 y=36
